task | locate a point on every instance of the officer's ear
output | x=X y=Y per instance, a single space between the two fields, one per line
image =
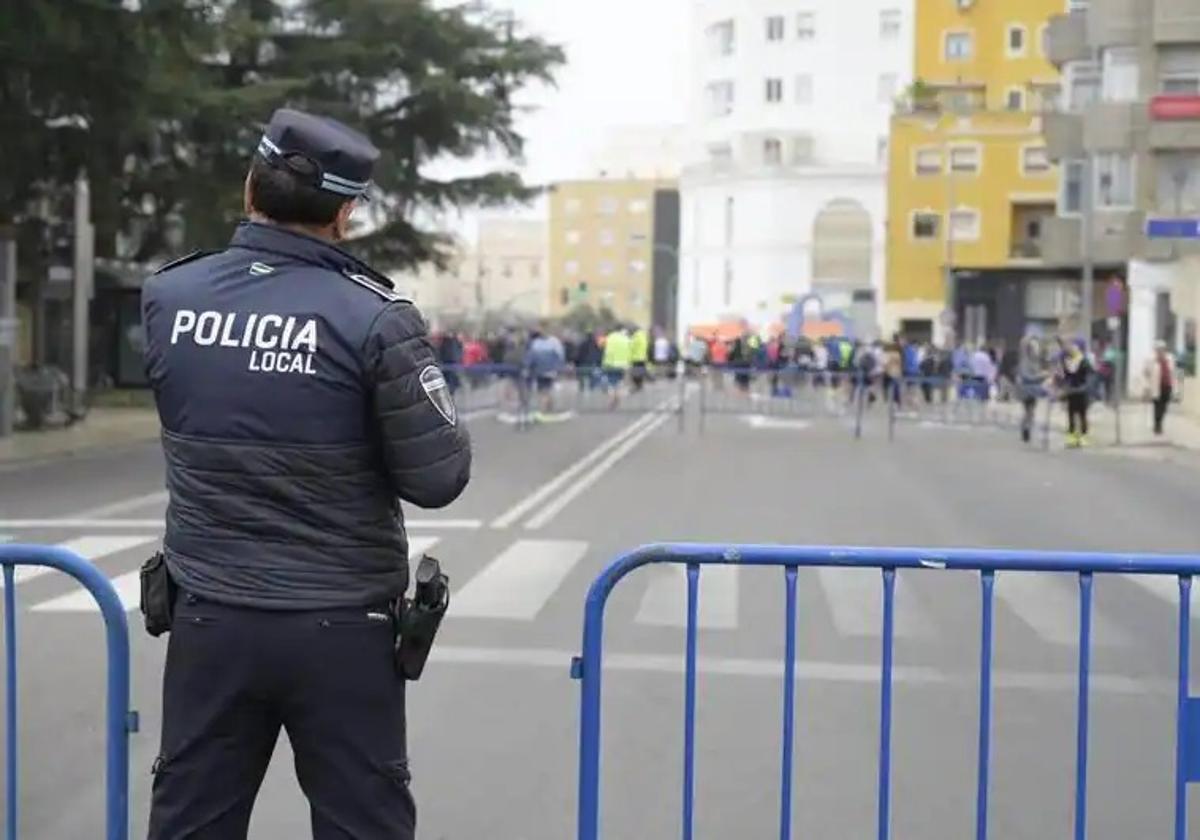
x=341 y=222
x=247 y=204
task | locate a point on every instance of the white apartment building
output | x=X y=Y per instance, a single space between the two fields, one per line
x=784 y=190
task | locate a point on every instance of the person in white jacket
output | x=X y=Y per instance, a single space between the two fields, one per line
x=1160 y=378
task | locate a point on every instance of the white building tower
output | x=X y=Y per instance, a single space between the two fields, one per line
x=784 y=191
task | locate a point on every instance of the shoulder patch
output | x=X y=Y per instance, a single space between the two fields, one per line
x=376 y=285
x=192 y=257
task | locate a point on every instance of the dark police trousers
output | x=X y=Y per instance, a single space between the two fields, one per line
x=235 y=675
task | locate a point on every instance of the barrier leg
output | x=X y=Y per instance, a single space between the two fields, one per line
x=1081 y=733
x=1046 y=427
x=10 y=708
x=789 y=707
x=703 y=377
x=1181 y=713
x=689 y=704
x=682 y=400
x=885 y=704
x=985 y=705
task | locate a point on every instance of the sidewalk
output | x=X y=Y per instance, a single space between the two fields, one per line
x=104 y=427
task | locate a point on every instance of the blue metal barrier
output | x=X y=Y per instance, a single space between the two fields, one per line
x=120 y=719
x=588 y=667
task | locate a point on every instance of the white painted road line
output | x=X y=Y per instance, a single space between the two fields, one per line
x=132 y=524
x=806 y=670
x=91 y=548
x=519 y=582
x=551 y=487
x=418 y=546
x=855 y=599
x=569 y=494
x=1049 y=604
x=664 y=603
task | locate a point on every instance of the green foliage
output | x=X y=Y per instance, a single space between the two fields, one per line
x=163 y=106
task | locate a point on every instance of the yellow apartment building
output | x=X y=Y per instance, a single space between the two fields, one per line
x=602 y=246
x=969 y=181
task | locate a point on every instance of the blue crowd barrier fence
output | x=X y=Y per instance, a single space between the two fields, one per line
x=588 y=667
x=783 y=391
x=120 y=720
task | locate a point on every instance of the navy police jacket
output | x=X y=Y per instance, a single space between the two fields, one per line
x=300 y=400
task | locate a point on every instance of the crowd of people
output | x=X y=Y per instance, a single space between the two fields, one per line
x=625 y=357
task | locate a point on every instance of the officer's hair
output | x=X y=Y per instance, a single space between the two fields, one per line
x=288 y=196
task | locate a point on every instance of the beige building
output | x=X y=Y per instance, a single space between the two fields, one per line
x=504 y=271
x=602 y=246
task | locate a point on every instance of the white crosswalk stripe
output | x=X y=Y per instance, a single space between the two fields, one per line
x=1049 y=604
x=665 y=601
x=519 y=582
x=855 y=598
x=92 y=548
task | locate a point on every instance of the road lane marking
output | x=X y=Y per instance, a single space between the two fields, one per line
x=90 y=548
x=806 y=670
x=664 y=603
x=855 y=599
x=519 y=581
x=103 y=524
x=551 y=487
x=123 y=506
x=571 y=493
x=1045 y=602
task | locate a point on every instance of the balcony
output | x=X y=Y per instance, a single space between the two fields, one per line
x=1066 y=39
x=1063 y=131
x=1115 y=23
x=1175 y=123
x=1117 y=236
x=1113 y=126
x=1176 y=21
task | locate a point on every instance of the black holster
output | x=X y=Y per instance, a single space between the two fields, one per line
x=158 y=595
x=419 y=617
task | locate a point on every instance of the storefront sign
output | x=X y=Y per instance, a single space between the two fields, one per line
x=1175 y=107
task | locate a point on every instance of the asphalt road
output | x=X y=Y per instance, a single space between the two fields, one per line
x=494 y=724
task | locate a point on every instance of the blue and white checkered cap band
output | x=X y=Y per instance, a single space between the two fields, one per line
x=329 y=182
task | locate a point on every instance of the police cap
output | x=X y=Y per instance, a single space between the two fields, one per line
x=342 y=157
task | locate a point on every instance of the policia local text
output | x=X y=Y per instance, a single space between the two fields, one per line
x=280 y=344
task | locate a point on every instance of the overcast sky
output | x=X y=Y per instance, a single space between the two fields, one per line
x=626 y=65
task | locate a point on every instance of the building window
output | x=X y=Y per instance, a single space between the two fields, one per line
x=608 y=206
x=637 y=266
x=1034 y=160
x=958 y=46
x=1070 y=197
x=638 y=206
x=802 y=149
x=928 y=161
x=720 y=98
x=1120 y=79
x=572 y=206
x=925 y=224
x=571 y=268
x=728 y=283
x=1082 y=84
x=1045 y=97
x=728 y=220
x=1014 y=99
x=1178 y=183
x=774 y=90
x=535 y=270
x=574 y=237
x=506 y=270
x=804 y=89
x=964 y=224
x=606 y=268
x=1014 y=41
x=881 y=149
x=806 y=26
x=887 y=88
x=1114 y=181
x=965 y=159
x=889 y=24
x=721 y=38
x=607 y=237
x=564 y=296
x=776 y=26
x=720 y=154
x=772 y=151
x=1179 y=70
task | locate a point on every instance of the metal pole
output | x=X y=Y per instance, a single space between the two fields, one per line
x=8 y=332
x=81 y=296
x=1088 y=271
x=950 y=291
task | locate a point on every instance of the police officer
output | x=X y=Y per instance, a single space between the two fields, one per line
x=300 y=400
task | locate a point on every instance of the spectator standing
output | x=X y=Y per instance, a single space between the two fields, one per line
x=1161 y=372
x=1075 y=373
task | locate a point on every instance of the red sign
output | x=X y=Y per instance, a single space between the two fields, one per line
x=1175 y=107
